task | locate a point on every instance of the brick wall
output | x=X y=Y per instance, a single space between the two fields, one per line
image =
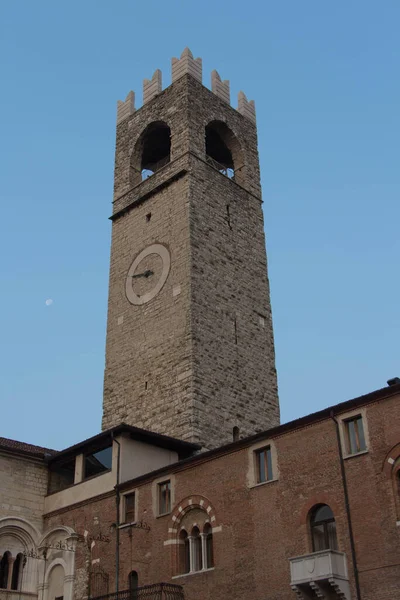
x=260 y=528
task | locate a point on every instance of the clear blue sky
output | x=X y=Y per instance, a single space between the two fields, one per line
x=325 y=78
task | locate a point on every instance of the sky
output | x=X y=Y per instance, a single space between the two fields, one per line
x=325 y=79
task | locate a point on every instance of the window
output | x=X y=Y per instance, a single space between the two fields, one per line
x=355 y=438
x=209 y=555
x=323 y=528
x=133 y=583
x=184 y=552
x=11 y=571
x=197 y=554
x=129 y=513
x=263 y=464
x=164 y=497
x=97 y=462
x=196 y=550
x=17 y=572
x=4 y=570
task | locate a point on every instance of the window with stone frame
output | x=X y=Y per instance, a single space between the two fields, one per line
x=129 y=507
x=354 y=435
x=263 y=464
x=164 y=497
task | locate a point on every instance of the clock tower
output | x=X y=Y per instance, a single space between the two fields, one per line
x=190 y=350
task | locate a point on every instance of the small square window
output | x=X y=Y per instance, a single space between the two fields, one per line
x=263 y=464
x=355 y=438
x=130 y=512
x=164 y=497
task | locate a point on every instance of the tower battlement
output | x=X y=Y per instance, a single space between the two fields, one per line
x=186 y=65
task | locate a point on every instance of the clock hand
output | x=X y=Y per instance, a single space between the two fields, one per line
x=146 y=274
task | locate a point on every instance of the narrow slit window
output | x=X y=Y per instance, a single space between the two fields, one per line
x=164 y=497
x=130 y=506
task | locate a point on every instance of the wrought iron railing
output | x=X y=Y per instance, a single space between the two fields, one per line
x=156 y=591
x=146 y=173
x=227 y=171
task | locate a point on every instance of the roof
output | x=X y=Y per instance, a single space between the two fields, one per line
x=184 y=449
x=22 y=448
x=326 y=413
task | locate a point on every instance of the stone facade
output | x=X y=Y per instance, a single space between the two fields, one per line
x=198 y=359
x=23 y=488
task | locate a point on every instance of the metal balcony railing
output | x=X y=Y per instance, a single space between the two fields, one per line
x=227 y=171
x=156 y=591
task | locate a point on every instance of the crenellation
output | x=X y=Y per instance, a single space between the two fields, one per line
x=247 y=108
x=152 y=87
x=187 y=65
x=219 y=87
x=126 y=108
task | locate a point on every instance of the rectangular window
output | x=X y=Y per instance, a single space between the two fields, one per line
x=164 y=497
x=129 y=516
x=263 y=464
x=97 y=462
x=355 y=438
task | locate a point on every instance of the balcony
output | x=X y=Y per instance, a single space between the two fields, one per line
x=320 y=574
x=157 y=591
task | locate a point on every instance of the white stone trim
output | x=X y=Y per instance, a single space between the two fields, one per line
x=252 y=467
x=342 y=430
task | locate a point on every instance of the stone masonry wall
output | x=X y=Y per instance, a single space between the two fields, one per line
x=198 y=359
x=23 y=486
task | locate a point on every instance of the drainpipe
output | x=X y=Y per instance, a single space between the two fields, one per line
x=117 y=505
x=347 y=505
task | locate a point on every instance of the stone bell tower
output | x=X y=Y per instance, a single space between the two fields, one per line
x=190 y=350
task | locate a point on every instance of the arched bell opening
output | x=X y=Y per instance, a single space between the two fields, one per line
x=152 y=152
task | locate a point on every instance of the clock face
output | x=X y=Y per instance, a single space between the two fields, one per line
x=147 y=274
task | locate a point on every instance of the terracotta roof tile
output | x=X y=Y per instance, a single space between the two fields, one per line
x=16 y=446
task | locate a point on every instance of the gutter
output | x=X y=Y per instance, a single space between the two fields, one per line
x=348 y=512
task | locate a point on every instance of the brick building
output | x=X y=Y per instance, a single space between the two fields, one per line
x=194 y=490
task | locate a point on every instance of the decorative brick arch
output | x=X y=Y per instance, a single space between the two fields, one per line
x=390 y=459
x=183 y=507
x=391 y=470
x=313 y=501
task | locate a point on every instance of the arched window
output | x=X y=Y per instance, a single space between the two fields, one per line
x=17 y=572
x=223 y=151
x=323 y=528
x=197 y=560
x=196 y=550
x=184 y=552
x=4 y=570
x=235 y=433
x=208 y=541
x=152 y=151
x=133 y=583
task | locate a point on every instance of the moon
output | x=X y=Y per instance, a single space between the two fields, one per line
x=49 y=302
